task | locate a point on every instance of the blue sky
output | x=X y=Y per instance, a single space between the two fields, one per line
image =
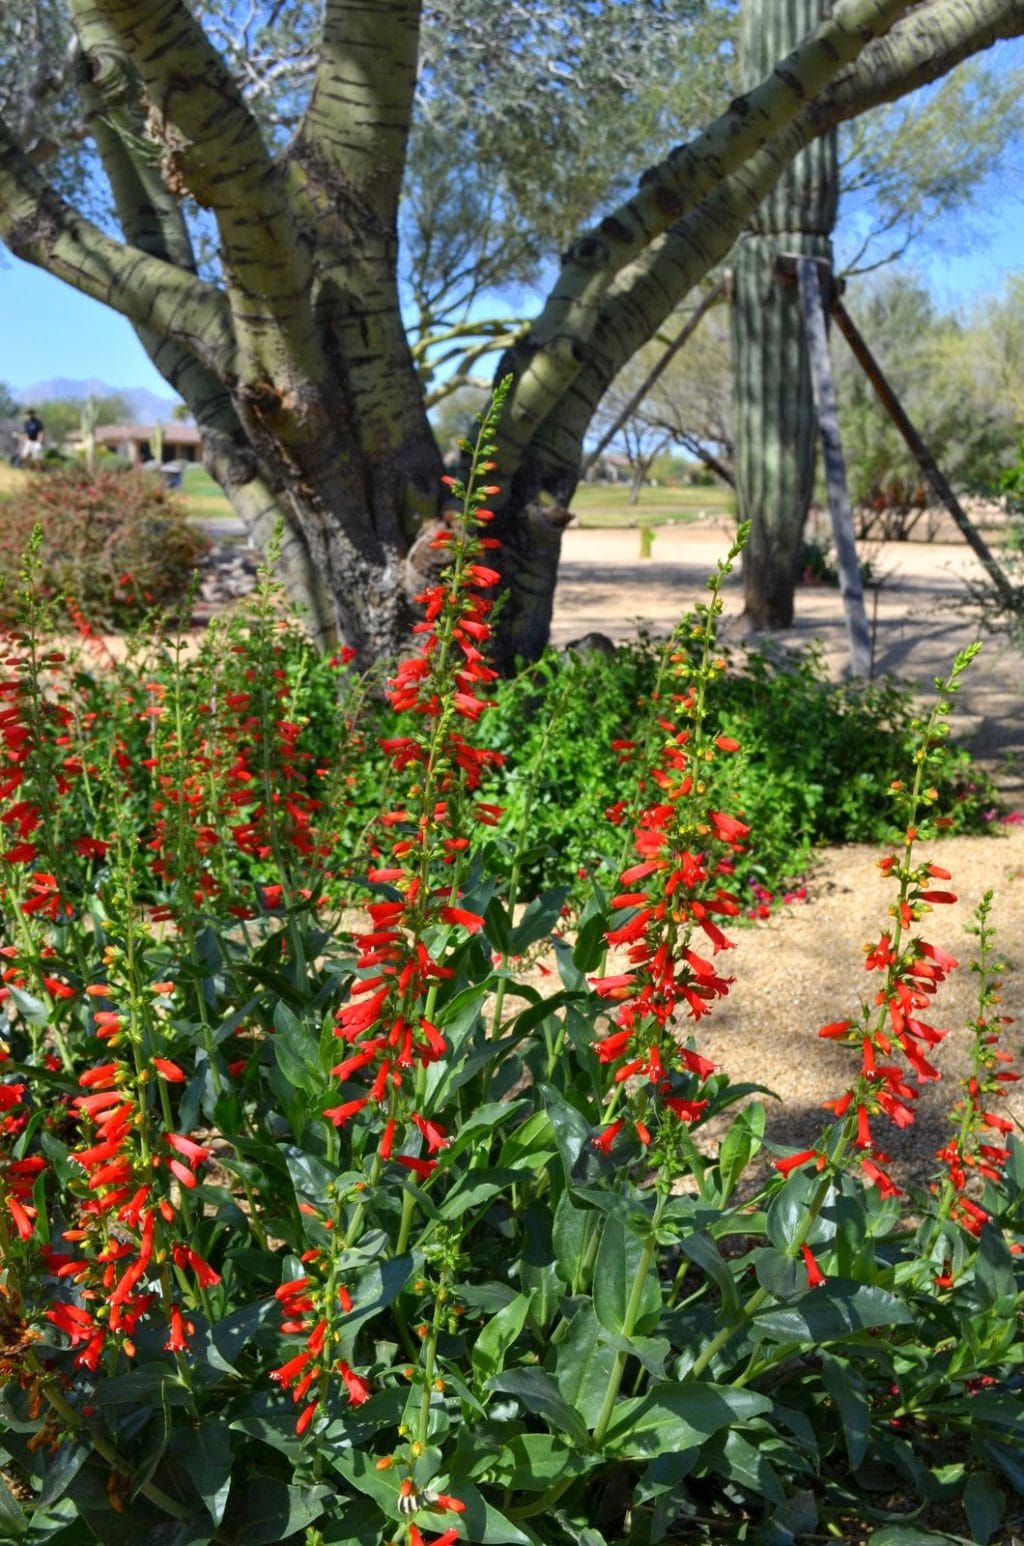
x=48 y=329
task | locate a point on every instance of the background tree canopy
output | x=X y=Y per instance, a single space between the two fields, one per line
x=309 y=213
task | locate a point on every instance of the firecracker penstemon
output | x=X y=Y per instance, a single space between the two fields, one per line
x=325 y=1220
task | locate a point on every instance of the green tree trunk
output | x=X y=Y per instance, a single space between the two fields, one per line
x=776 y=428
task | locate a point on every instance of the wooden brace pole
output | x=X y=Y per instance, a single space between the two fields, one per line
x=813 y=316
x=921 y=454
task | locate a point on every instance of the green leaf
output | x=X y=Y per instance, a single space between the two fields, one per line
x=33 y=1009
x=373 y=1288
x=590 y=945
x=481 y=1522
x=787 y=1214
x=730 y=1455
x=573 y=979
x=783 y=1277
x=531 y=1145
x=501 y=1331
x=537 y=922
x=13 y=1522
x=848 y=1391
x=584 y=1360
x=499 y=927
x=703 y=1251
x=58 y=1471
x=204 y=1455
x=359 y=1468
x=297 y=1050
x=148 y=1385
x=234 y=1332
x=993 y=1270
x=739 y=1146
x=794 y=1518
x=538 y=1459
x=833 y=1310
x=907 y=1535
x=539 y=1394
x=263 y=1510
x=652 y=1352
x=677 y=1417
x=572 y=1233
x=476 y=1188
x=985 y=1505
x=620 y=1257
x=537 y=1271
x=484 y=1120
x=1010 y=1461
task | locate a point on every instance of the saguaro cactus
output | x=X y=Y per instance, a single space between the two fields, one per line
x=775 y=423
x=88 y=418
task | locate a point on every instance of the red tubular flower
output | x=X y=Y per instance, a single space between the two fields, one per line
x=181 y=1330
x=814 y=1272
x=432 y=1132
x=604 y=1140
x=786 y=1165
x=686 y=1110
x=289 y=1372
x=339 y=1115
x=835 y=1029
x=169 y=1071
x=359 y=1390
x=447 y=1504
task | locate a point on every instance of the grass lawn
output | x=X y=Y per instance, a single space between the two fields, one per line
x=602 y=505
x=11 y=478
x=595 y=504
x=203 y=496
x=607 y=505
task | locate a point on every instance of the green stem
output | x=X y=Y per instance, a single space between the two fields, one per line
x=761 y=1295
x=523 y=827
x=429 y=1364
x=544 y=1502
x=102 y=1446
x=629 y=1321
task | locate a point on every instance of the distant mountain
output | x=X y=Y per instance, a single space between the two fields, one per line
x=144 y=406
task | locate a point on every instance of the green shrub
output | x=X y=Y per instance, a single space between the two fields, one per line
x=815 y=752
x=116 y=543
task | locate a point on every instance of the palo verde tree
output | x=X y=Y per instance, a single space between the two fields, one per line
x=289 y=341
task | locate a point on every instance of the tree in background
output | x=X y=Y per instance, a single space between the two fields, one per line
x=690 y=403
x=9 y=406
x=62 y=416
x=955 y=381
x=914 y=166
x=259 y=257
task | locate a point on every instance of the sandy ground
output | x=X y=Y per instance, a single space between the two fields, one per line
x=804 y=966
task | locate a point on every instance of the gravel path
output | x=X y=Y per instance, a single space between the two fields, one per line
x=804 y=967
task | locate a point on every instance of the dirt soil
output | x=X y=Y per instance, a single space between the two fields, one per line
x=804 y=967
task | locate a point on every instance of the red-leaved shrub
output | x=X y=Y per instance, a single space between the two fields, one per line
x=116 y=543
